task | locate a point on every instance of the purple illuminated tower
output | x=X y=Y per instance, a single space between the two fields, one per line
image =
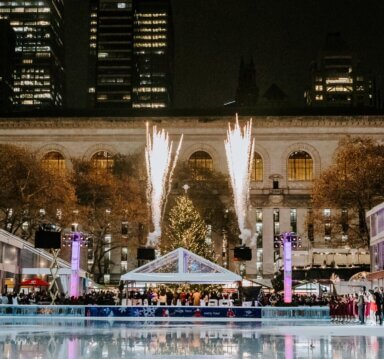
x=76 y=239
x=287 y=257
x=75 y=265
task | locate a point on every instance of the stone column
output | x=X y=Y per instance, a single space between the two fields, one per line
x=285 y=220
x=268 y=252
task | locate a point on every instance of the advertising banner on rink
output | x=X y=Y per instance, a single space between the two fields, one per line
x=173 y=312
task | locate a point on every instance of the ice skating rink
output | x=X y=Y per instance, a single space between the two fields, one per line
x=59 y=338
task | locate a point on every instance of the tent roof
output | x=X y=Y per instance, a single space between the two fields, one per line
x=181 y=266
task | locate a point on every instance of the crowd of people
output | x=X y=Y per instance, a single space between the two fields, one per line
x=163 y=296
x=277 y=300
x=155 y=296
x=364 y=307
x=43 y=297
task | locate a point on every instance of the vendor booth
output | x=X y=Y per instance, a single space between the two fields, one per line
x=179 y=267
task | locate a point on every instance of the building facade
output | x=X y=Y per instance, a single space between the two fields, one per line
x=131 y=54
x=38 y=76
x=290 y=153
x=7 y=46
x=110 y=57
x=337 y=78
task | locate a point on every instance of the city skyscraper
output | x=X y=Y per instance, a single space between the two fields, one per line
x=337 y=78
x=152 y=54
x=110 y=53
x=38 y=76
x=130 y=63
x=7 y=46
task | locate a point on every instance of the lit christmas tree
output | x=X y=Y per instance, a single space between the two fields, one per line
x=186 y=228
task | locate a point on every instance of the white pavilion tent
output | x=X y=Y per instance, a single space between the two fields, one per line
x=181 y=266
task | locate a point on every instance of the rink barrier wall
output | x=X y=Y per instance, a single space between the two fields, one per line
x=101 y=311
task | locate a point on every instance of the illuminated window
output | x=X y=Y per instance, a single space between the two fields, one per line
x=300 y=166
x=200 y=162
x=339 y=88
x=339 y=80
x=293 y=219
x=327 y=224
x=257 y=168
x=103 y=160
x=276 y=222
x=344 y=224
x=124 y=253
x=259 y=227
x=54 y=161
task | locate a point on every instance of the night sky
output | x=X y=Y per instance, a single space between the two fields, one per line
x=211 y=36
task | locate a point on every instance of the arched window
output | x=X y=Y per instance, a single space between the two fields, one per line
x=200 y=162
x=54 y=161
x=257 y=173
x=103 y=161
x=300 y=166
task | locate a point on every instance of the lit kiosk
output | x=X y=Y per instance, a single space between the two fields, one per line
x=76 y=240
x=287 y=240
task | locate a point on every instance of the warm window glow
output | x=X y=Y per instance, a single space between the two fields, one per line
x=54 y=161
x=339 y=80
x=200 y=161
x=257 y=168
x=103 y=160
x=339 y=88
x=300 y=166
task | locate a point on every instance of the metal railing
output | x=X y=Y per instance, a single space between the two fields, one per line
x=42 y=310
x=318 y=313
x=81 y=311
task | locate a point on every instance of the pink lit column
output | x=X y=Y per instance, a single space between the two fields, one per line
x=287 y=255
x=75 y=265
x=73 y=348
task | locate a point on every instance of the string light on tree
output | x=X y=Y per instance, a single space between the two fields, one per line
x=186 y=228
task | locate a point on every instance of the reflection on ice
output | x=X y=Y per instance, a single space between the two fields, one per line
x=33 y=338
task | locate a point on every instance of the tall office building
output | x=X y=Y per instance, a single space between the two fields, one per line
x=152 y=54
x=38 y=77
x=130 y=54
x=7 y=46
x=110 y=60
x=337 y=78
